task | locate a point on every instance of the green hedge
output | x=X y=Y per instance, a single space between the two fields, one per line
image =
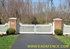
x=58 y=32
x=10 y=31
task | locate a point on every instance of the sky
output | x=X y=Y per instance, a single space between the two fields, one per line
x=56 y=2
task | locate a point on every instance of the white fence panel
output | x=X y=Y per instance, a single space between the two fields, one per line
x=36 y=29
x=3 y=28
x=44 y=29
x=27 y=28
x=66 y=29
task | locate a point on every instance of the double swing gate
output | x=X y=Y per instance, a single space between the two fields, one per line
x=35 y=29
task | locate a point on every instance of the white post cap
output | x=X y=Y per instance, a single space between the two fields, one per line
x=12 y=18
x=57 y=19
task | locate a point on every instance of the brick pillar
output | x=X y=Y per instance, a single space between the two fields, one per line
x=12 y=23
x=57 y=23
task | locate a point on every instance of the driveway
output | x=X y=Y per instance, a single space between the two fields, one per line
x=24 y=41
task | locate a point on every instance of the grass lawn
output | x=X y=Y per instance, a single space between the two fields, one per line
x=64 y=39
x=7 y=41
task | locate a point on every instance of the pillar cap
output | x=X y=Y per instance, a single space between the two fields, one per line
x=12 y=18
x=57 y=19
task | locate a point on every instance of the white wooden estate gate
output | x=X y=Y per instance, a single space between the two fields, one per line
x=35 y=29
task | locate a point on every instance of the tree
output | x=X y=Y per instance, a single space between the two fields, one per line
x=34 y=21
x=51 y=4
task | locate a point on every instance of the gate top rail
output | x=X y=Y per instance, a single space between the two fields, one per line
x=43 y=24
x=26 y=24
x=36 y=24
